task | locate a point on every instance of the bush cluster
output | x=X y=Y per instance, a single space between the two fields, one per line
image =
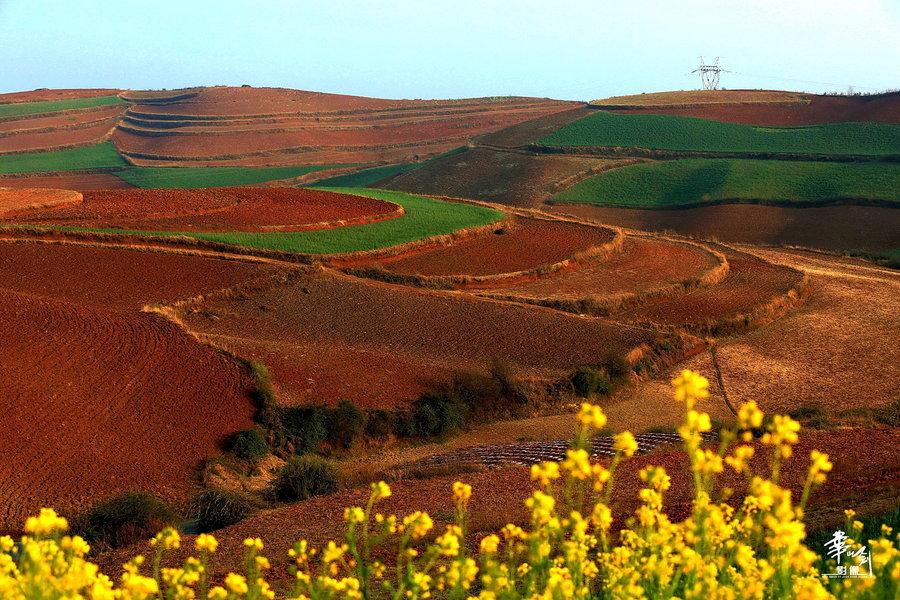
x=303 y=477
x=217 y=508
x=125 y=519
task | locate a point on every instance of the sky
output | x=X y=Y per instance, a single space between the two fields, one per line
x=569 y=49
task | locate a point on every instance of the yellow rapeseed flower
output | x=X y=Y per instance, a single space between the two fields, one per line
x=462 y=491
x=592 y=415
x=206 y=543
x=625 y=443
x=690 y=387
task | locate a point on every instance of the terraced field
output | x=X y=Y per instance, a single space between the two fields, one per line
x=751 y=283
x=761 y=107
x=422 y=218
x=223 y=210
x=65 y=181
x=508 y=177
x=519 y=245
x=845 y=328
x=686 y=134
x=327 y=336
x=257 y=126
x=21 y=109
x=130 y=419
x=696 y=182
x=644 y=266
x=97 y=156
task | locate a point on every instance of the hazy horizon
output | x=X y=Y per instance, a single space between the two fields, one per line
x=576 y=50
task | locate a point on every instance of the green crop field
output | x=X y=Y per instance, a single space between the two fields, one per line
x=22 y=109
x=367 y=177
x=425 y=217
x=203 y=177
x=692 y=182
x=686 y=134
x=98 y=156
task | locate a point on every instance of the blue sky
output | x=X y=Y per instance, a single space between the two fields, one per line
x=452 y=48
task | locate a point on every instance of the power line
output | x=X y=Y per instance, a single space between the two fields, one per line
x=804 y=81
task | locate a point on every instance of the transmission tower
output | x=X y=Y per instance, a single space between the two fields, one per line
x=709 y=74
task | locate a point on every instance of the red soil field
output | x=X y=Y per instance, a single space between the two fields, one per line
x=97 y=402
x=119 y=278
x=56 y=139
x=828 y=227
x=66 y=181
x=329 y=336
x=255 y=125
x=643 y=265
x=836 y=351
x=16 y=201
x=884 y=108
x=517 y=245
x=127 y=388
x=529 y=132
x=751 y=283
x=219 y=209
x=863 y=458
x=233 y=101
x=511 y=178
x=60 y=94
x=65 y=120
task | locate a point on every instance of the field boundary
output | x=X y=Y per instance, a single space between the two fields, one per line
x=462 y=282
x=104 y=138
x=605 y=306
x=52 y=113
x=49 y=129
x=653 y=153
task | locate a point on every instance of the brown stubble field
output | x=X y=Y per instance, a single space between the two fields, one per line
x=838 y=351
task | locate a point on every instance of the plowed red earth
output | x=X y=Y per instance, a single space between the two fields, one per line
x=97 y=397
x=529 y=132
x=221 y=209
x=512 y=178
x=224 y=143
x=61 y=94
x=644 y=264
x=264 y=126
x=13 y=201
x=871 y=228
x=58 y=138
x=864 y=463
x=231 y=101
x=115 y=277
x=67 y=181
x=62 y=120
x=751 y=282
x=329 y=332
x=97 y=402
x=522 y=244
x=820 y=109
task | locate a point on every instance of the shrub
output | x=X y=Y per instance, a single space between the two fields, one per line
x=810 y=415
x=249 y=444
x=890 y=414
x=617 y=366
x=587 y=381
x=125 y=519
x=381 y=424
x=216 y=508
x=437 y=415
x=305 y=427
x=346 y=424
x=303 y=477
